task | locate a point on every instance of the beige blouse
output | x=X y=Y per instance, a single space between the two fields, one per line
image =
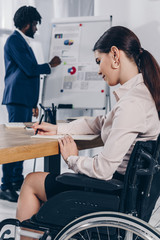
x=134 y=117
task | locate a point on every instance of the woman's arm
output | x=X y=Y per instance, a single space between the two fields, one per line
x=80 y=126
x=127 y=123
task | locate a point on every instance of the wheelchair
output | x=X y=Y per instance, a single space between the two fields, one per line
x=117 y=209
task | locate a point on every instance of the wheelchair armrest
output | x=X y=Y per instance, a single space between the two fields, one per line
x=88 y=182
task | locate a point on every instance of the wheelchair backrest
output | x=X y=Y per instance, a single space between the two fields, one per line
x=141 y=182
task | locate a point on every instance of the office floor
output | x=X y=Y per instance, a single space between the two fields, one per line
x=8 y=209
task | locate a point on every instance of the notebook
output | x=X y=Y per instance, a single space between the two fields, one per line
x=75 y=137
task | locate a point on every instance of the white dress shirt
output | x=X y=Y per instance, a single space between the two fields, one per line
x=134 y=117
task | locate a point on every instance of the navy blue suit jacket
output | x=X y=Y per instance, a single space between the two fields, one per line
x=22 y=78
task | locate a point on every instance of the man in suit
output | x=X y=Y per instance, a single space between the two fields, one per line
x=21 y=92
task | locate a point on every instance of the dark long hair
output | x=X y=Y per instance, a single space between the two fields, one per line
x=125 y=40
x=26 y=15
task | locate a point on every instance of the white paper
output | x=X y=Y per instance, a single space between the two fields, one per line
x=75 y=137
x=65 y=42
x=15 y=125
x=82 y=77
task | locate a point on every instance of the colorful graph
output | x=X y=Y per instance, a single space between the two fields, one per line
x=60 y=35
x=68 y=42
x=72 y=70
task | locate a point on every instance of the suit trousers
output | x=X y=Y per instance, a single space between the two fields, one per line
x=13 y=172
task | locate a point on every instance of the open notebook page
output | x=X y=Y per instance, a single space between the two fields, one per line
x=75 y=137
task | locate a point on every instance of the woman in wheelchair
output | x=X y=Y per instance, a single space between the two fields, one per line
x=134 y=117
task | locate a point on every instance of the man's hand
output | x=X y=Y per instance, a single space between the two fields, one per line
x=35 y=112
x=68 y=147
x=55 y=61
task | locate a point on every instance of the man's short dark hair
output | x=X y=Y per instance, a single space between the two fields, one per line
x=26 y=15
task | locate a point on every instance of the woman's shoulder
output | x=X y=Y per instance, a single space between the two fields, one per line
x=138 y=101
x=139 y=93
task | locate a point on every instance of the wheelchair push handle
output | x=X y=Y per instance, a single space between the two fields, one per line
x=152 y=167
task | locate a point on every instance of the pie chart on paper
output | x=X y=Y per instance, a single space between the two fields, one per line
x=72 y=70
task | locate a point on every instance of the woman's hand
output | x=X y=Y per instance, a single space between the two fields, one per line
x=68 y=147
x=45 y=128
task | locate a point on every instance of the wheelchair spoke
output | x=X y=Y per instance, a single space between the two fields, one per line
x=88 y=234
x=81 y=236
x=108 y=233
x=98 y=234
x=118 y=234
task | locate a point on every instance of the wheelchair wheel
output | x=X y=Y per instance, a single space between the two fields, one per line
x=108 y=226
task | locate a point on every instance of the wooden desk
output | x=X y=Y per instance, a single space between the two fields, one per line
x=17 y=145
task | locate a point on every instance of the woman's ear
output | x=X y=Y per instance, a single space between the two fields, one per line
x=115 y=57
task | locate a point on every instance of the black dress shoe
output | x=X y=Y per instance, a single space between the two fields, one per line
x=17 y=185
x=9 y=195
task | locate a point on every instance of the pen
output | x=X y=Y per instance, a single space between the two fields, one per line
x=41 y=106
x=52 y=106
x=39 y=123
